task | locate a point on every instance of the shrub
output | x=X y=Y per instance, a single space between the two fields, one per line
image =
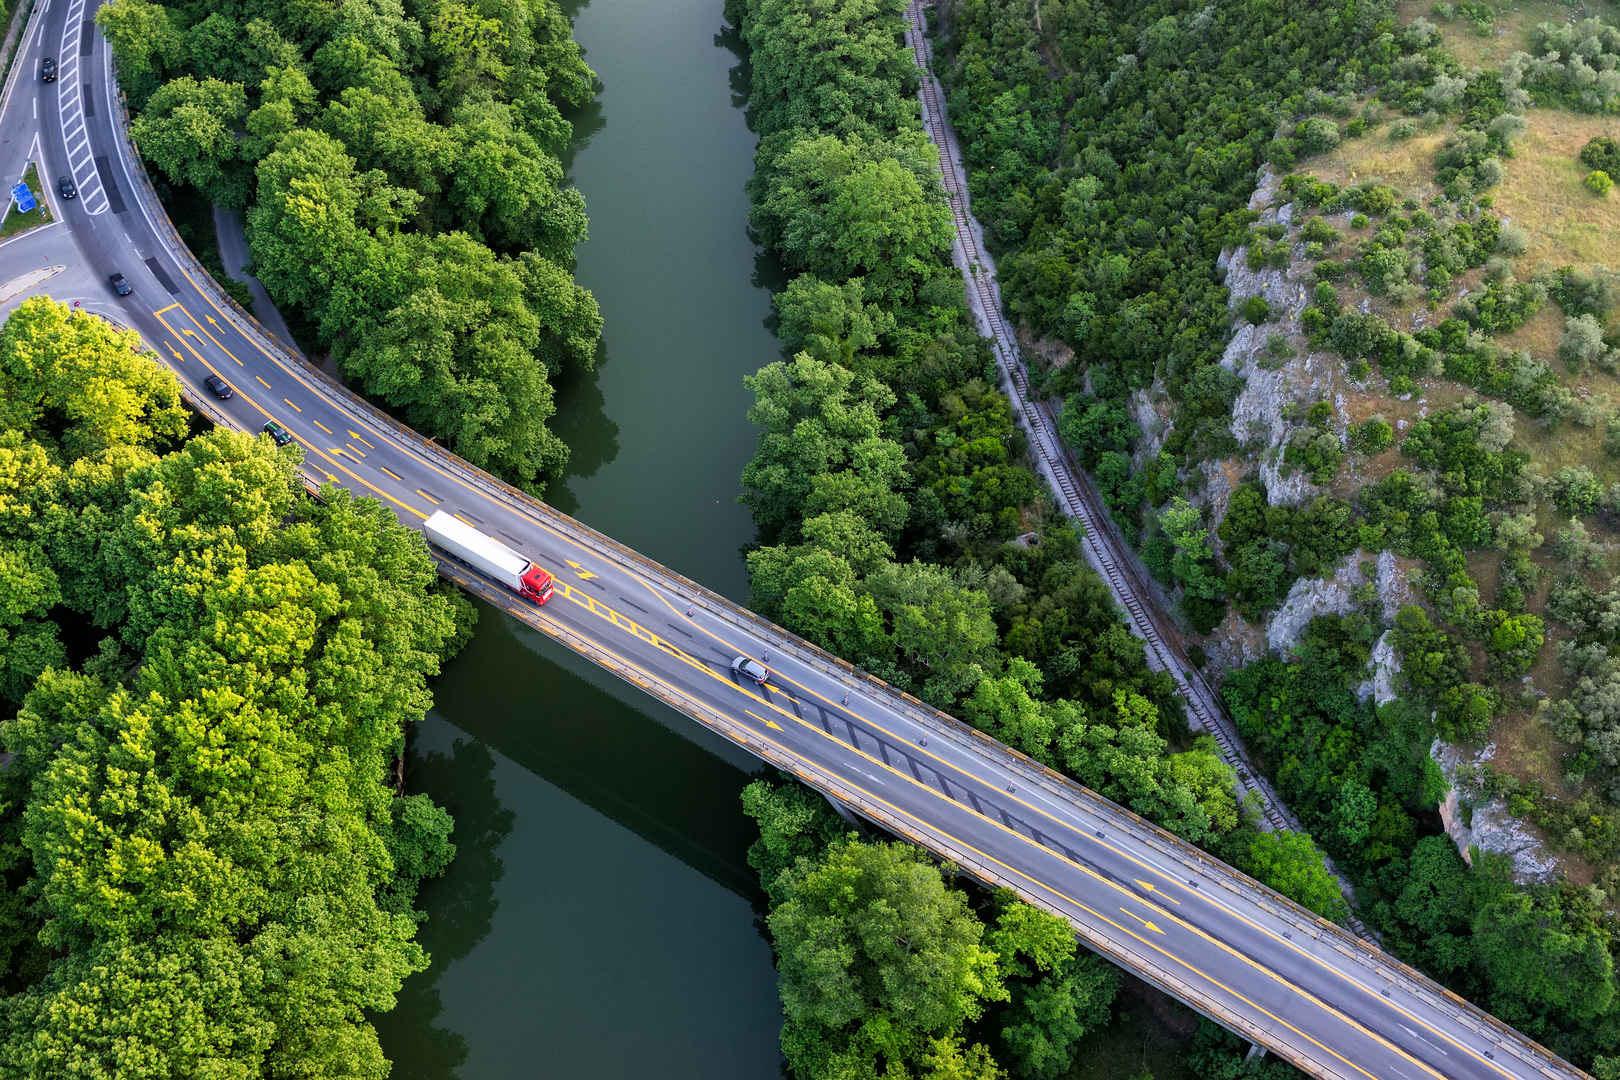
x=1575 y=490
x=1582 y=342
x=1602 y=154
x=1317 y=135
x=1512 y=240
x=1372 y=436
x=1359 y=221
x=1256 y=310
x=1598 y=182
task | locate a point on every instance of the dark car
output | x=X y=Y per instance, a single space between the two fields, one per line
x=47 y=70
x=120 y=284
x=751 y=669
x=276 y=432
x=65 y=186
x=220 y=387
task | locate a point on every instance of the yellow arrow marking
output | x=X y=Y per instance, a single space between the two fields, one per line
x=583 y=573
x=211 y=319
x=1151 y=926
x=768 y=723
x=1148 y=886
x=355 y=435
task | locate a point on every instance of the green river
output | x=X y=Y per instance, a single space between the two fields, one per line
x=600 y=920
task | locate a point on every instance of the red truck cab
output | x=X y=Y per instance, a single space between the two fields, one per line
x=537 y=584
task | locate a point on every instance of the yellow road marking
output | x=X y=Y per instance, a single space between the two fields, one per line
x=584 y=574
x=1148 y=886
x=1154 y=870
x=1150 y=925
x=322 y=426
x=295 y=408
x=928 y=827
x=460 y=518
x=262 y=382
x=266 y=414
x=353 y=450
x=1250 y=961
x=392 y=473
x=173 y=351
x=171 y=307
x=211 y=337
x=428 y=497
x=524 y=513
x=353 y=434
x=772 y=724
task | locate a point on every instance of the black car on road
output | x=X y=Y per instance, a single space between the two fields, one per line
x=220 y=387
x=65 y=186
x=47 y=69
x=276 y=432
x=120 y=284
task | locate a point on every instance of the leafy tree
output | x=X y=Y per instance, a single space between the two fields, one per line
x=878 y=961
x=832 y=323
x=1465 y=712
x=147 y=42
x=821 y=447
x=842 y=208
x=208 y=871
x=191 y=130
x=794 y=823
x=1058 y=993
x=1290 y=863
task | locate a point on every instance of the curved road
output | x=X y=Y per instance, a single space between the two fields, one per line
x=1227 y=946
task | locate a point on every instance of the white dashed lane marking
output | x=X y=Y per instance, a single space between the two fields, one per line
x=75 y=136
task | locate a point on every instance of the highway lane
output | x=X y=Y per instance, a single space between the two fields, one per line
x=1218 y=941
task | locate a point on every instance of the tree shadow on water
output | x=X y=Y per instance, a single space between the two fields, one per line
x=582 y=422
x=460 y=906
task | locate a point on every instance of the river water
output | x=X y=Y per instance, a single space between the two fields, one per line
x=599 y=919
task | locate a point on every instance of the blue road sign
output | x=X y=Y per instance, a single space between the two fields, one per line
x=24 y=197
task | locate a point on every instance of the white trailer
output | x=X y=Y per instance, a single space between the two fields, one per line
x=488 y=556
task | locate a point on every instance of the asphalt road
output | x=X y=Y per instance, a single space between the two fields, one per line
x=1307 y=990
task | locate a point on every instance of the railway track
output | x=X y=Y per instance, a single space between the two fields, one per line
x=1105 y=549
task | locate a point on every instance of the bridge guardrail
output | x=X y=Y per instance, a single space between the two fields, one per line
x=1032 y=770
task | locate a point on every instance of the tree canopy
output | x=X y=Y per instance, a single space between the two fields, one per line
x=203 y=681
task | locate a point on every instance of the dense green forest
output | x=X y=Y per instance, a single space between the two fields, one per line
x=903 y=529
x=205 y=677
x=399 y=165
x=1112 y=153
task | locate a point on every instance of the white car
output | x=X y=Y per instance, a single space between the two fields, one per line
x=752 y=669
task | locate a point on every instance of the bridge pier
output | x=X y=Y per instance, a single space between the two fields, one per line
x=1255 y=1051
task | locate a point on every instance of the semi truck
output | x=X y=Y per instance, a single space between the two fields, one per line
x=489 y=556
